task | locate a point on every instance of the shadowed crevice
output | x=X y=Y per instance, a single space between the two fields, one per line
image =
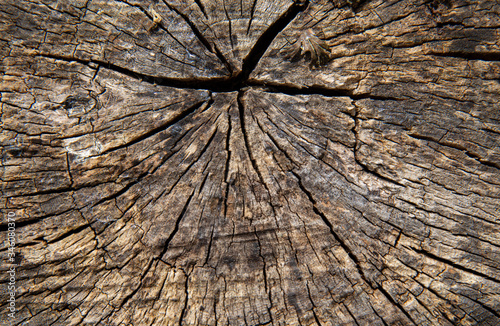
x=396 y=304
x=234 y=82
x=265 y=40
x=131 y=294
x=183 y=115
x=484 y=56
x=455 y=265
x=290 y=89
x=200 y=36
x=470 y=154
x=176 y=227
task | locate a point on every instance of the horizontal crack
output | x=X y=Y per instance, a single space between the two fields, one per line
x=291 y=89
x=223 y=84
x=231 y=83
x=216 y=84
x=485 y=56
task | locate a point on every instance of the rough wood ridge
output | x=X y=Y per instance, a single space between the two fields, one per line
x=169 y=163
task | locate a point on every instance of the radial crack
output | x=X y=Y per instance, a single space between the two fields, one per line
x=226 y=168
x=344 y=246
x=229 y=24
x=186 y=292
x=158 y=129
x=396 y=304
x=202 y=38
x=176 y=227
x=131 y=294
x=241 y=110
x=455 y=265
x=202 y=8
x=252 y=12
x=357 y=145
x=268 y=36
x=292 y=89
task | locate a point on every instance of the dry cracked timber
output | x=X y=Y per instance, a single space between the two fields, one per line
x=169 y=164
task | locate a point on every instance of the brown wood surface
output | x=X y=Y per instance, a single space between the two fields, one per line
x=193 y=163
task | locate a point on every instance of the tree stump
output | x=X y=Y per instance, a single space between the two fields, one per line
x=260 y=162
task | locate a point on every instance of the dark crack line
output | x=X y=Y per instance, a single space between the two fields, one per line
x=128 y=297
x=485 y=56
x=291 y=89
x=275 y=142
x=230 y=25
x=452 y=322
x=20 y=224
x=217 y=84
x=350 y=314
x=71 y=188
x=121 y=191
x=455 y=265
x=58 y=287
x=226 y=167
x=316 y=319
x=176 y=227
x=186 y=292
x=337 y=238
x=435 y=211
x=484 y=306
x=357 y=145
x=142 y=176
x=158 y=129
x=396 y=304
x=188 y=168
x=188 y=133
x=472 y=155
x=206 y=175
x=311 y=154
x=264 y=275
x=69 y=170
x=423 y=304
x=252 y=12
x=241 y=110
x=344 y=246
x=209 y=248
x=434 y=292
x=147 y=14
x=288 y=131
x=70 y=233
x=268 y=36
x=202 y=7
x=377 y=314
x=202 y=38
x=231 y=83
x=222 y=84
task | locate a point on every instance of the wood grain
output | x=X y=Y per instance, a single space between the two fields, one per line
x=169 y=164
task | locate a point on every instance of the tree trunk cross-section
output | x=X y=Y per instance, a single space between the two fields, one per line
x=168 y=163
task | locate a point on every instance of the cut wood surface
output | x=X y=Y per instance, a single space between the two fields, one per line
x=251 y=162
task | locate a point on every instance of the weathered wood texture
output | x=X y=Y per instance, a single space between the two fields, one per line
x=170 y=164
